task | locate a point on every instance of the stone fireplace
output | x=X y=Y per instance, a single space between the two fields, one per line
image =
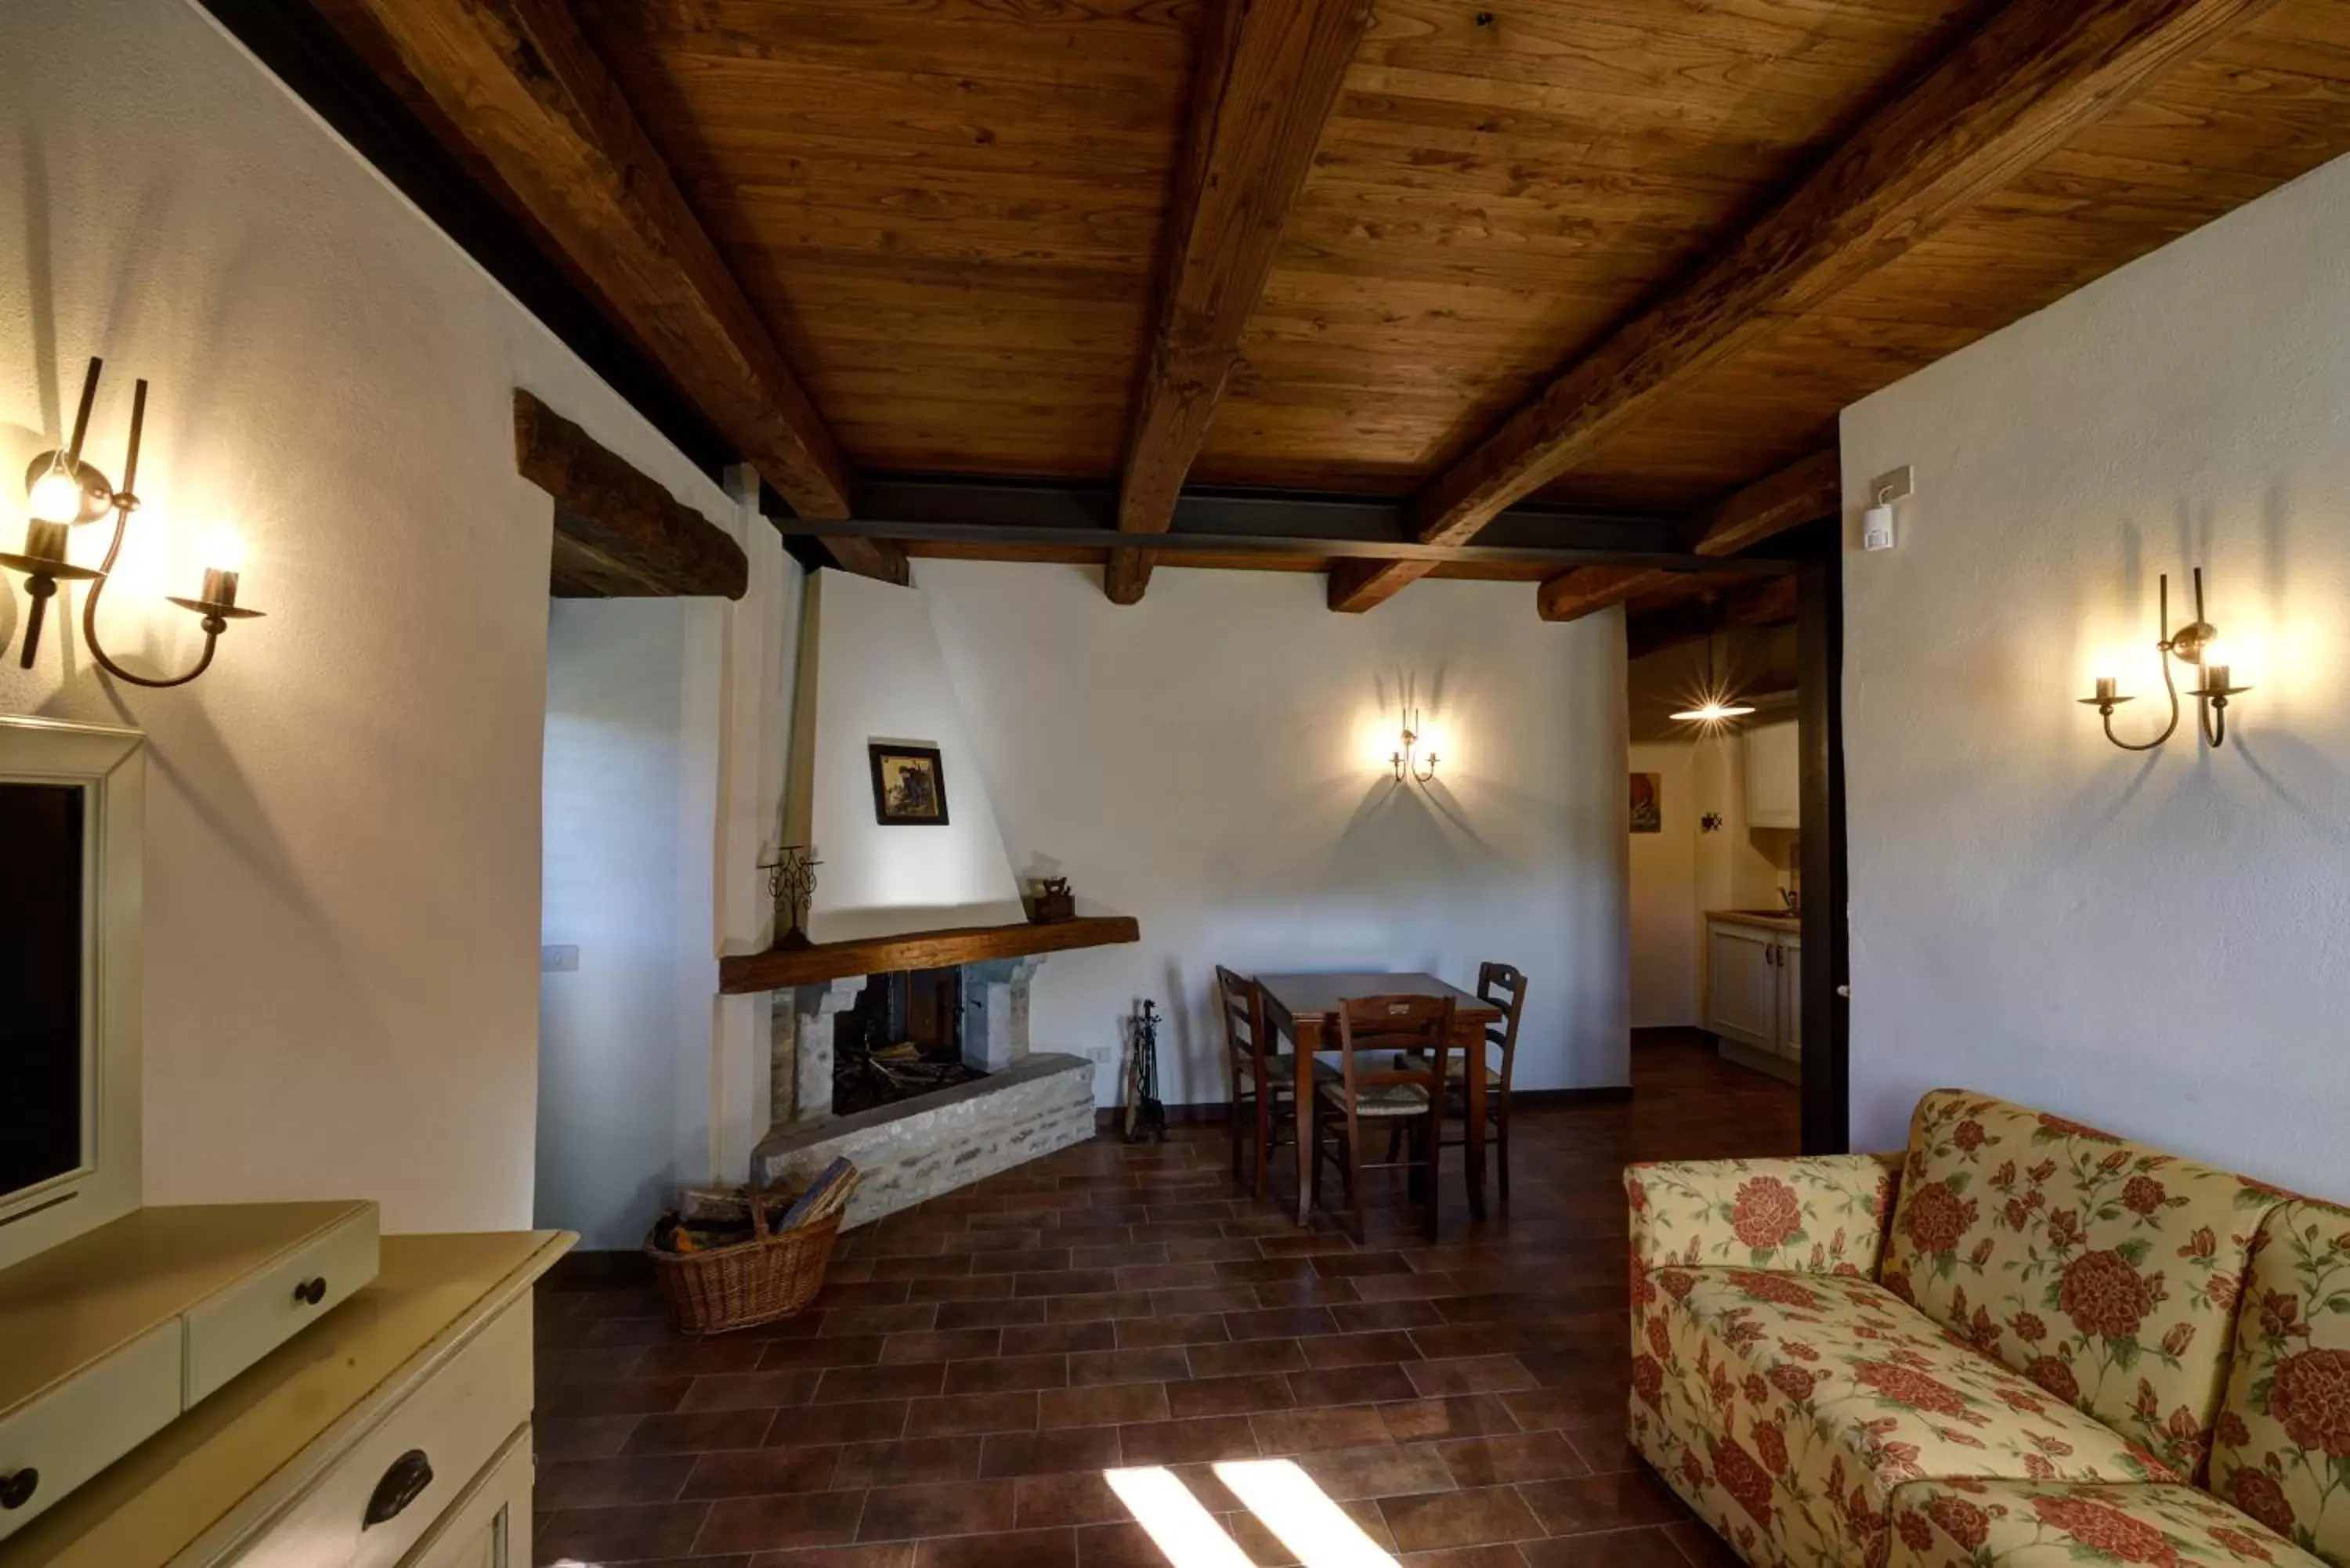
x=1016 y=1106
x=895 y=901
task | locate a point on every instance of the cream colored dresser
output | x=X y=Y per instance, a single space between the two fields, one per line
x=392 y=1432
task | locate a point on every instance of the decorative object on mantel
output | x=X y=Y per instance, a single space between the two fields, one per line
x=2196 y=643
x=791 y=883
x=62 y=492
x=1145 y=1114
x=718 y=1273
x=1405 y=765
x=1052 y=901
x=910 y=785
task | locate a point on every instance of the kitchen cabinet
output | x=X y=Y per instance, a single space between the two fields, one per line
x=1754 y=986
x=1773 y=776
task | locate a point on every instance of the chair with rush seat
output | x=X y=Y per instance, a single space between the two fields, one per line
x=1412 y=1036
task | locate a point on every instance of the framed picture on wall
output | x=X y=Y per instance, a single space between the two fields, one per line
x=910 y=786
x=1647 y=803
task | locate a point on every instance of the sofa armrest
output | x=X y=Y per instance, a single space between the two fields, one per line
x=1824 y=1214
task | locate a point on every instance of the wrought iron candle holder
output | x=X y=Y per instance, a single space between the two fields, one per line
x=791 y=882
x=2196 y=643
x=66 y=492
x=1407 y=765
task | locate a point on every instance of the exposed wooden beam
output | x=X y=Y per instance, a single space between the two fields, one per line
x=527 y=90
x=1757 y=604
x=2017 y=89
x=1020 y=541
x=1804 y=491
x=618 y=533
x=1267 y=77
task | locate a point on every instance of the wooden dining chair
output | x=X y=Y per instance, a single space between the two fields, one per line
x=1262 y=1077
x=1392 y=1052
x=1504 y=987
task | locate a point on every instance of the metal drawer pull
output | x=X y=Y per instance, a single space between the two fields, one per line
x=16 y=1489
x=406 y=1479
x=310 y=1292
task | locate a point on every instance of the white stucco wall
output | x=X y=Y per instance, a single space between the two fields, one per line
x=1213 y=761
x=871 y=670
x=343 y=831
x=2159 y=944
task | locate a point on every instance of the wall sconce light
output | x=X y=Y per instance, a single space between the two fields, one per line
x=1408 y=766
x=2196 y=643
x=62 y=492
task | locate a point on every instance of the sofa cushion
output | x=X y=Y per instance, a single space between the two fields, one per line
x=2281 y=1448
x=2105 y=1271
x=2041 y=1524
x=1820 y=1214
x=1788 y=1408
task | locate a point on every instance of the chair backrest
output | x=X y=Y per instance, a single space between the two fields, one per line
x=1412 y=1027
x=1503 y=985
x=1241 y=1001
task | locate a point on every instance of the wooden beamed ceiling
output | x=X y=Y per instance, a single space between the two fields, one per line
x=1631 y=256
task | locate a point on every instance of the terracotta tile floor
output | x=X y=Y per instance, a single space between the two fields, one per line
x=974 y=1367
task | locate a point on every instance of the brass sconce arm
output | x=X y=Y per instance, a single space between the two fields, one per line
x=2195 y=643
x=43 y=564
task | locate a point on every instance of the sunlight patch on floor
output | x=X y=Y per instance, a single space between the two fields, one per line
x=1300 y=1514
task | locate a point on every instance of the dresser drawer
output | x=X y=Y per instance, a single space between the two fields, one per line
x=229 y=1331
x=436 y=1439
x=489 y=1527
x=79 y=1427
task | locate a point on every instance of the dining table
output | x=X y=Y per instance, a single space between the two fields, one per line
x=1313 y=1000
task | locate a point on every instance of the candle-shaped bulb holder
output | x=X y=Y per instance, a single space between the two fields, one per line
x=220 y=587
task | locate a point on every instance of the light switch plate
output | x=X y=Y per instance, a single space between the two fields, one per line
x=562 y=959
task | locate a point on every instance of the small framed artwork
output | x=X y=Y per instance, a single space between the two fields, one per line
x=910 y=786
x=1647 y=803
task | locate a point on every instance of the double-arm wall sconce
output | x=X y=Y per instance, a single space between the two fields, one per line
x=2196 y=643
x=1407 y=764
x=64 y=492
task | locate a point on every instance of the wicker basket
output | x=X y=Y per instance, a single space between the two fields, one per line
x=772 y=1276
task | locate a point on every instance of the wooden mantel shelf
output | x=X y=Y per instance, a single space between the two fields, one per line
x=780 y=967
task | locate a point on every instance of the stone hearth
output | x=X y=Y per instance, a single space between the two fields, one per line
x=1027 y=1105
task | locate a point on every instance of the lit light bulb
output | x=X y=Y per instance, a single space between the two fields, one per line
x=223 y=551
x=55 y=496
x=2107 y=665
x=2217 y=652
x=1713 y=711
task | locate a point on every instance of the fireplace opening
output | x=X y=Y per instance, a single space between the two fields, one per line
x=901 y=1039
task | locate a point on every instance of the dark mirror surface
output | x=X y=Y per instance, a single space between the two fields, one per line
x=40 y=983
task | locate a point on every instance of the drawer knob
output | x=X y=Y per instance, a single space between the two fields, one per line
x=310 y=1292
x=406 y=1479
x=18 y=1488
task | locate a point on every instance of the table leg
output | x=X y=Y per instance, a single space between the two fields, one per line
x=1309 y=1036
x=1472 y=1136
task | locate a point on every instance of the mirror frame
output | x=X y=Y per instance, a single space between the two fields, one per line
x=110 y=766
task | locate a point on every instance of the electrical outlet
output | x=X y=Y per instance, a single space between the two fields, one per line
x=562 y=959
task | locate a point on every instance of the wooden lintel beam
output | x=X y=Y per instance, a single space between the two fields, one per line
x=618 y=533
x=1804 y=491
x=1267 y=78
x=522 y=84
x=2025 y=82
x=1767 y=603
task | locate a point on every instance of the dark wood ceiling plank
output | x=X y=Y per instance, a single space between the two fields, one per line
x=619 y=533
x=522 y=84
x=1768 y=603
x=1268 y=76
x=1803 y=491
x=2033 y=77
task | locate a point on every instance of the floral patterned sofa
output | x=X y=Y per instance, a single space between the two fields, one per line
x=2055 y=1348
